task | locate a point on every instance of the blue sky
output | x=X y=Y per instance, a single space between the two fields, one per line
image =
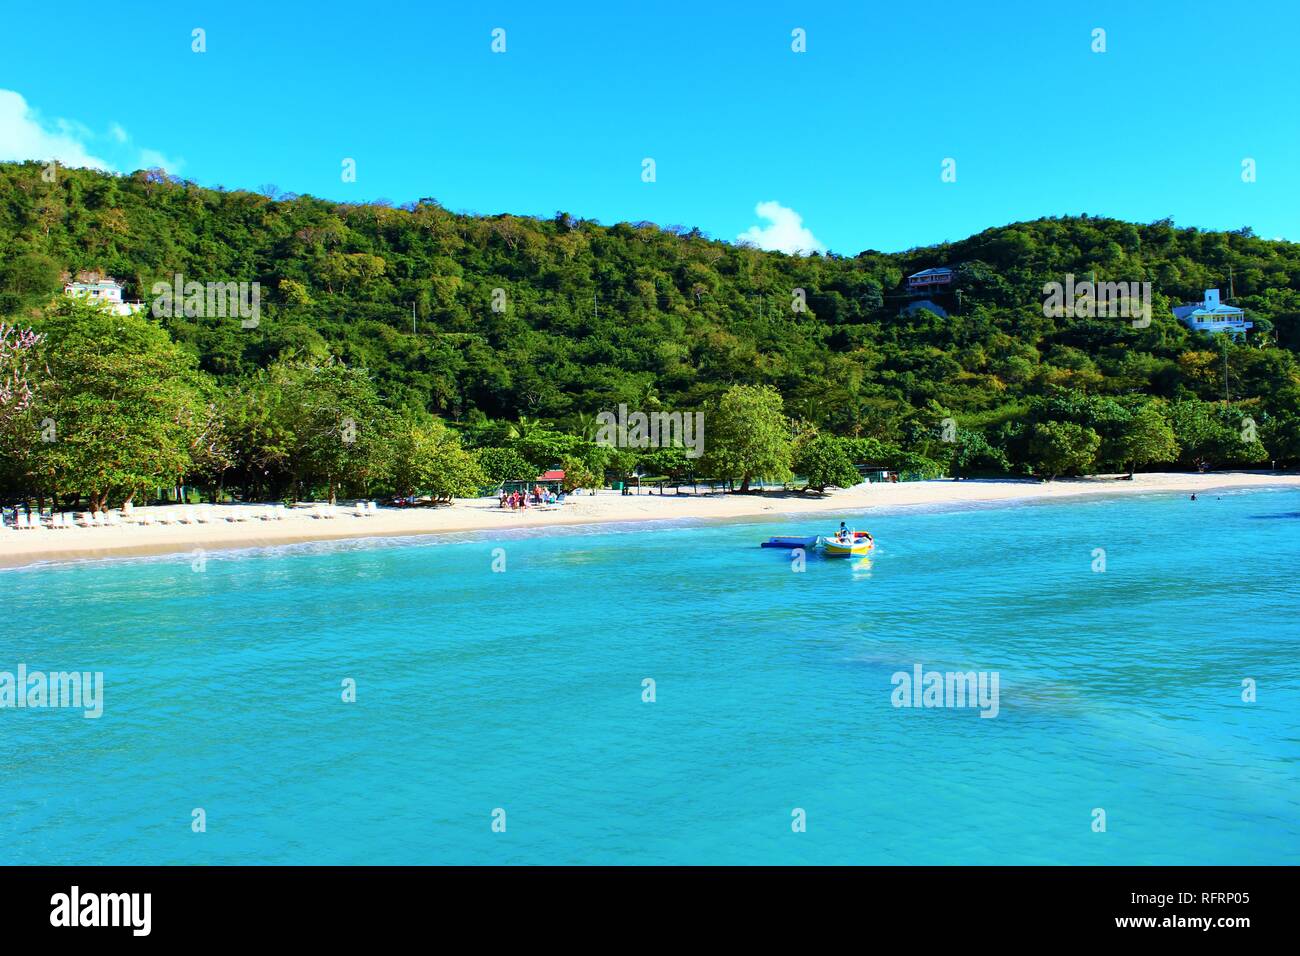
x=844 y=142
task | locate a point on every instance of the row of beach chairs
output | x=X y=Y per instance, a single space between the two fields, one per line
x=362 y=509
x=180 y=514
x=53 y=522
x=205 y=514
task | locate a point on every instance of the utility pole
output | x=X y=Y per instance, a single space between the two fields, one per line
x=1232 y=288
x=1224 y=335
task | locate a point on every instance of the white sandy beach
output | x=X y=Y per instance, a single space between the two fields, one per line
x=28 y=546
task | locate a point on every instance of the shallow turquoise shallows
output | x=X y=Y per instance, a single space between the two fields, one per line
x=1121 y=690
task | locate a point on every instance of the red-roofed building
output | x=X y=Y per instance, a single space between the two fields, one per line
x=551 y=476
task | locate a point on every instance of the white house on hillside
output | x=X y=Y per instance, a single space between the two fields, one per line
x=1212 y=316
x=101 y=289
x=927 y=279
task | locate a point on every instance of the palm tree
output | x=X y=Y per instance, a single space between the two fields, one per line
x=524 y=427
x=584 y=424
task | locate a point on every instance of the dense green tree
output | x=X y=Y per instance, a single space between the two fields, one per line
x=973 y=454
x=336 y=426
x=577 y=474
x=118 y=407
x=1145 y=437
x=1212 y=435
x=1062 y=448
x=747 y=436
x=823 y=462
x=672 y=463
x=427 y=459
x=543 y=447
x=505 y=464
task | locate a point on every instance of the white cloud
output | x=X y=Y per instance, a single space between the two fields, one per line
x=784 y=232
x=24 y=135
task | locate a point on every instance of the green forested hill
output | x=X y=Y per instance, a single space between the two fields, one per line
x=594 y=315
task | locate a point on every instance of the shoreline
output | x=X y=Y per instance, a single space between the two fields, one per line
x=27 y=548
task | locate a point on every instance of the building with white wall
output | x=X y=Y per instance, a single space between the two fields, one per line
x=101 y=289
x=1212 y=315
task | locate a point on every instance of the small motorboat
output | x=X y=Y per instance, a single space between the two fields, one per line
x=854 y=545
x=790 y=542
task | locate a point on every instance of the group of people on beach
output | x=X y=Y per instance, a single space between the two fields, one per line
x=520 y=500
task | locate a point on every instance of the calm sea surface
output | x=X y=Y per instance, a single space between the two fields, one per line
x=1120 y=690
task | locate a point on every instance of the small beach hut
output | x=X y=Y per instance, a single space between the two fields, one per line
x=552 y=480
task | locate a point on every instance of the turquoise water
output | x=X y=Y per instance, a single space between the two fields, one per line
x=522 y=690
